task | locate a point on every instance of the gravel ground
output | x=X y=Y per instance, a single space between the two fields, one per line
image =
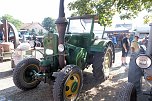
x=101 y=91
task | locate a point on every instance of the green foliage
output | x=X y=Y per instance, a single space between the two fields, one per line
x=82 y=7
x=103 y=8
x=128 y=9
x=147 y=19
x=49 y=24
x=105 y=12
x=17 y=23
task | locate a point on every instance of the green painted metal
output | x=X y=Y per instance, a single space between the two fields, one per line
x=50 y=62
x=76 y=55
x=51 y=42
x=74 y=87
x=79 y=39
x=86 y=40
x=99 y=45
x=77 y=45
x=45 y=62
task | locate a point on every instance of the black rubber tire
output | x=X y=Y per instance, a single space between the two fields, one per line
x=127 y=93
x=61 y=80
x=21 y=70
x=99 y=70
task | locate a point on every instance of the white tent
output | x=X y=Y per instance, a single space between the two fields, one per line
x=143 y=29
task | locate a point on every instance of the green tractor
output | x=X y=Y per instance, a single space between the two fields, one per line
x=66 y=54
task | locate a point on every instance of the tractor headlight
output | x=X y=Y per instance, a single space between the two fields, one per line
x=49 y=52
x=143 y=61
x=61 y=47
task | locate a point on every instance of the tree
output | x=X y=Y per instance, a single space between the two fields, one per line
x=105 y=9
x=49 y=24
x=17 y=23
x=130 y=8
x=82 y=7
x=147 y=19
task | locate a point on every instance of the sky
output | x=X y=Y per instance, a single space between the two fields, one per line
x=36 y=10
x=31 y=10
x=138 y=21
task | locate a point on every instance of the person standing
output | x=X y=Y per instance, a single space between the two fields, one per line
x=134 y=72
x=145 y=40
x=135 y=45
x=1 y=36
x=125 y=48
x=114 y=40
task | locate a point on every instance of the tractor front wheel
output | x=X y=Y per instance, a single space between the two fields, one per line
x=23 y=75
x=68 y=83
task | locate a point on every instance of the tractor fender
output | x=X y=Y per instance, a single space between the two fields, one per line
x=100 y=45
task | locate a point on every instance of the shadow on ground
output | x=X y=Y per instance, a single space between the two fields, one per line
x=6 y=74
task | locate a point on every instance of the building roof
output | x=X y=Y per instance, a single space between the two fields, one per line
x=143 y=29
x=127 y=26
x=117 y=30
x=37 y=26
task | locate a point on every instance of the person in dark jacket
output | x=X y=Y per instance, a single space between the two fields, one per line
x=125 y=48
x=1 y=36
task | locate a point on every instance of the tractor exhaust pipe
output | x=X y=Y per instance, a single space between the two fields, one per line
x=149 y=49
x=61 y=23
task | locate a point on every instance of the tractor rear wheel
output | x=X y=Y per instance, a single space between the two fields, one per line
x=127 y=93
x=68 y=83
x=23 y=75
x=102 y=63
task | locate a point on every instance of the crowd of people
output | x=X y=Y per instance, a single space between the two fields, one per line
x=129 y=46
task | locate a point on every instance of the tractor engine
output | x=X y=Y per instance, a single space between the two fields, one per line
x=50 y=60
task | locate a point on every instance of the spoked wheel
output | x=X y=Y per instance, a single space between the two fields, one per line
x=68 y=84
x=23 y=75
x=102 y=63
x=127 y=93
